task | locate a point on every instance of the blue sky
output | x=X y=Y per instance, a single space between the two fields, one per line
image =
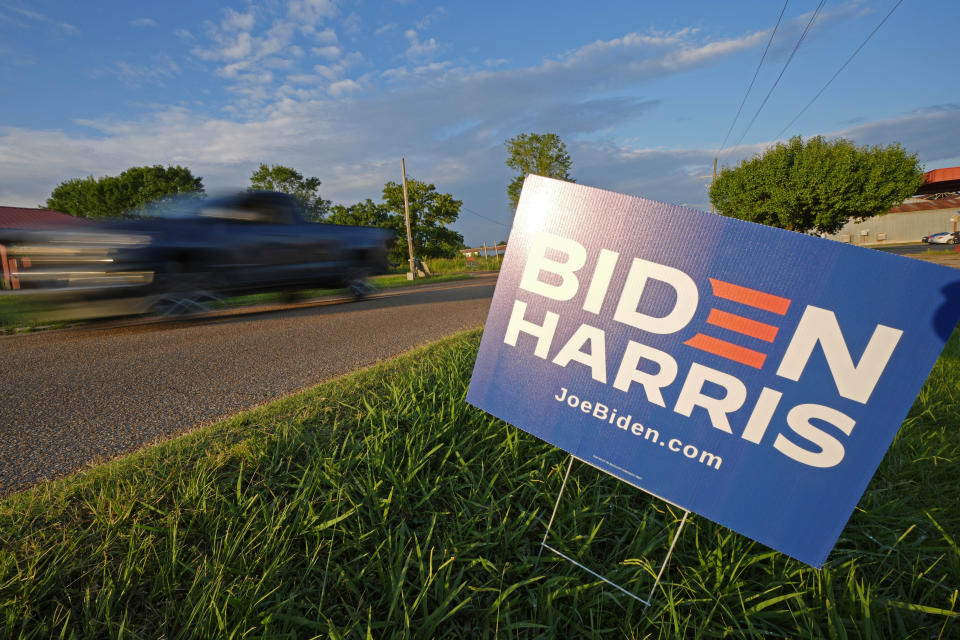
x=643 y=92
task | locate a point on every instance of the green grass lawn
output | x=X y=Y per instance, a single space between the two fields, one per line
x=381 y=505
x=13 y=310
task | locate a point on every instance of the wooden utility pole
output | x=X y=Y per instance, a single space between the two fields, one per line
x=406 y=216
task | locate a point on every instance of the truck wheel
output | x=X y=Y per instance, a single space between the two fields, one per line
x=180 y=291
x=359 y=288
x=186 y=303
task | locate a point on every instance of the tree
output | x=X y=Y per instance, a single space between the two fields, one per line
x=114 y=196
x=430 y=213
x=817 y=185
x=540 y=154
x=286 y=180
x=364 y=214
x=81 y=197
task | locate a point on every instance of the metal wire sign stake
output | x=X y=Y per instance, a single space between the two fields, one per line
x=656 y=583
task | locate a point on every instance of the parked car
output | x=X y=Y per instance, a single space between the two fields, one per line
x=188 y=251
x=944 y=237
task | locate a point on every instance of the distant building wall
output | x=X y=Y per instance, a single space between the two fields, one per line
x=491 y=251
x=906 y=223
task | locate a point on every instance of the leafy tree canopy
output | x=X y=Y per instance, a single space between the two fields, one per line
x=364 y=214
x=817 y=185
x=114 y=196
x=539 y=154
x=286 y=180
x=430 y=213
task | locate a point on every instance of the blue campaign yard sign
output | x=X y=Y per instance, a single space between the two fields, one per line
x=752 y=375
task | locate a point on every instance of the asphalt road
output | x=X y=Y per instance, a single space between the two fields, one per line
x=73 y=397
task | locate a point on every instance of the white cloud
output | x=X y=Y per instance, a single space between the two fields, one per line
x=343 y=87
x=303 y=78
x=335 y=70
x=311 y=13
x=296 y=95
x=433 y=71
x=233 y=70
x=397 y=73
x=327 y=36
x=235 y=21
x=31 y=15
x=240 y=47
x=656 y=52
x=430 y=18
x=247 y=57
x=24 y=17
x=277 y=39
x=385 y=29
x=418 y=48
x=352 y=24
x=161 y=67
x=326 y=71
x=932 y=133
x=331 y=52
x=277 y=63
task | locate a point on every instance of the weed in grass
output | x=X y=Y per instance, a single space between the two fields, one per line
x=381 y=505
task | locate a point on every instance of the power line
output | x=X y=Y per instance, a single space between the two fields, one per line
x=485 y=217
x=749 y=88
x=785 y=65
x=842 y=67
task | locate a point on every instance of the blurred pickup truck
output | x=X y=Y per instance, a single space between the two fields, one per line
x=180 y=255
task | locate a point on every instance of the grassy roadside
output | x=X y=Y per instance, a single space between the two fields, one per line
x=17 y=312
x=381 y=505
x=392 y=281
x=25 y=314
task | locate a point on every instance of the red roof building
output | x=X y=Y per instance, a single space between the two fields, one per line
x=915 y=217
x=927 y=205
x=940 y=181
x=23 y=218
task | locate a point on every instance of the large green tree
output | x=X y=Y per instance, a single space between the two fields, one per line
x=430 y=213
x=287 y=180
x=114 y=196
x=364 y=214
x=816 y=185
x=540 y=154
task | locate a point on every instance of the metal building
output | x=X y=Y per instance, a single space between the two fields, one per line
x=935 y=208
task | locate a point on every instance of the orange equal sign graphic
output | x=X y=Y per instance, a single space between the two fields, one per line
x=740 y=324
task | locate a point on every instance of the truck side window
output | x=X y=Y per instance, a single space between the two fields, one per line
x=270 y=208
